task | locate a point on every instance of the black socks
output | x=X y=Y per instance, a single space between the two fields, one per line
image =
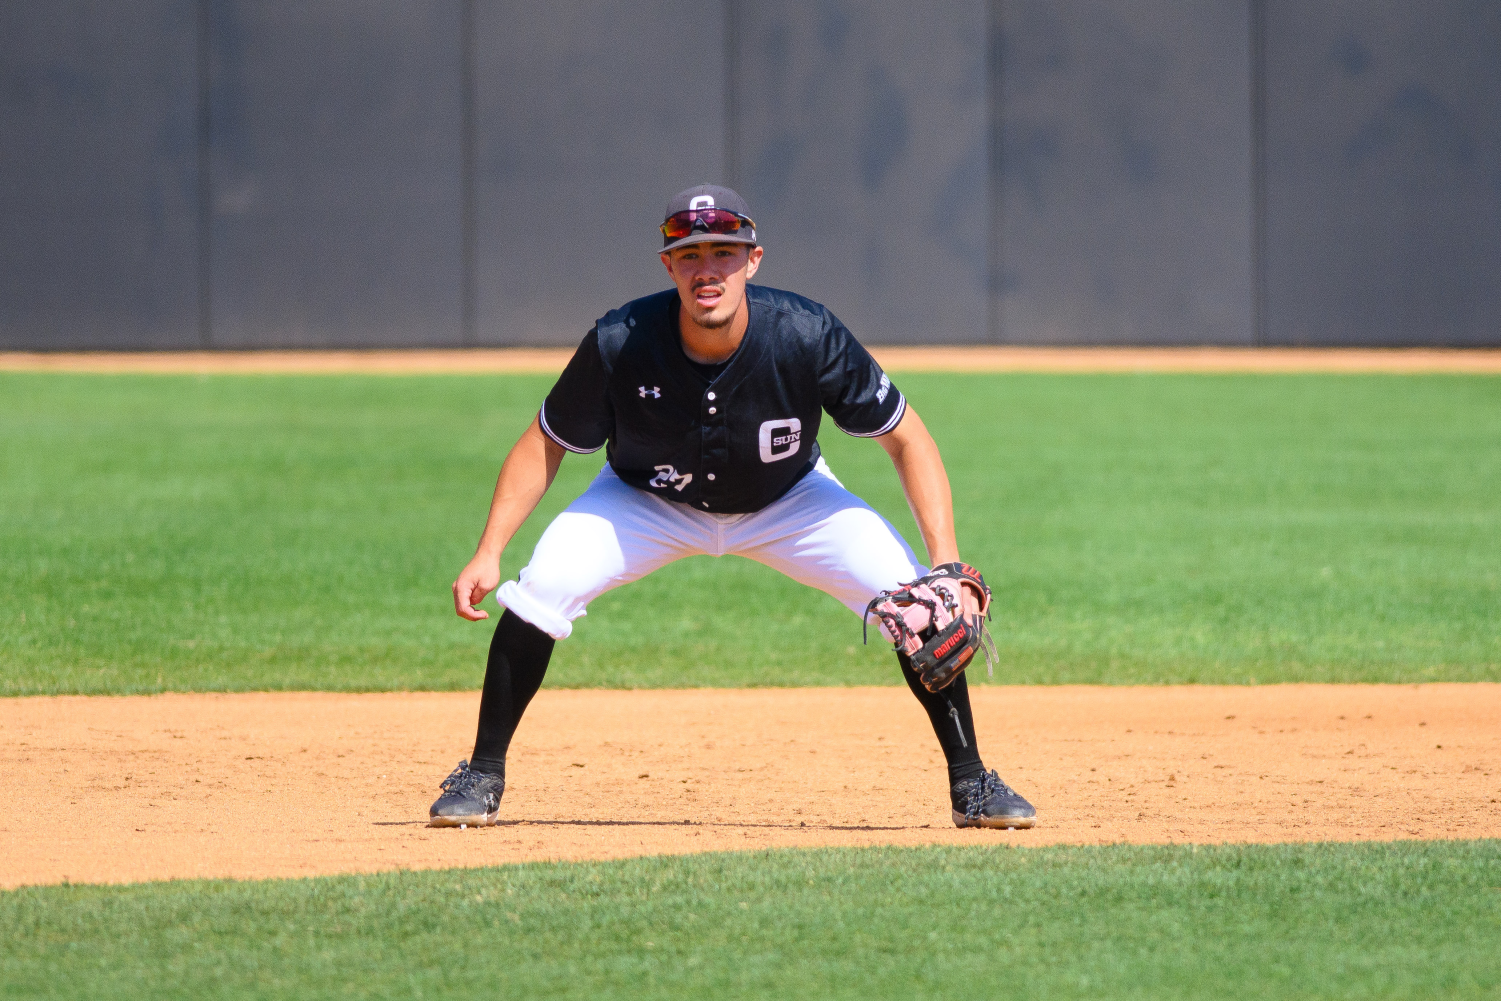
x=953 y=722
x=519 y=653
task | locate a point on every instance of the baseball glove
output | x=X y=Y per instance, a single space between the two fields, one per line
x=925 y=619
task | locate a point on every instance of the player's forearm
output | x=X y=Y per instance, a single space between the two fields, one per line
x=932 y=505
x=925 y=482
x=524 y=477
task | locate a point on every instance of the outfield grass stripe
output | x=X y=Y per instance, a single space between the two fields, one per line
x=1402 y=920
x=253 y=533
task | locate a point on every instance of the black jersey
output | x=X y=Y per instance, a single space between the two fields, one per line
x=726 y=442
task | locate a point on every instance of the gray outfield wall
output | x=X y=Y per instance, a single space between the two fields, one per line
x=251 y=173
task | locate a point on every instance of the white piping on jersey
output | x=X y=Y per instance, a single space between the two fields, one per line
x=901 y=410
x=542 y=420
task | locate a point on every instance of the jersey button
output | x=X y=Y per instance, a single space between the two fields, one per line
x=711 y=396
x=706 y=503
x=711 y=476
x=713 y=410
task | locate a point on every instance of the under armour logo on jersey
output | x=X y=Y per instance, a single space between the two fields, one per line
x=667 y=476
x=655 y=392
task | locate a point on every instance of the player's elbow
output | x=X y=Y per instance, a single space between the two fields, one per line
x=908 y=437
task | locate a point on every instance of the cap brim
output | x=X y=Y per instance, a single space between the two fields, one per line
x=706 y=238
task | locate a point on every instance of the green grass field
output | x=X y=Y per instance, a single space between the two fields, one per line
x=244 y=533
x=232 y=533
x=1406 y=920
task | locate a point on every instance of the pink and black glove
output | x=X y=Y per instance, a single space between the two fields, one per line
x=925 y=619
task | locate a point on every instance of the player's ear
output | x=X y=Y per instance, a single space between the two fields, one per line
x=753 y=262
x=667 y=263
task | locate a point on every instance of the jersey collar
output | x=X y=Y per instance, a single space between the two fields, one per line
x=746 y=356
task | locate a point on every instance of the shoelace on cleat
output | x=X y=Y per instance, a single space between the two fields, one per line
x=461 y=780
x=989 y=783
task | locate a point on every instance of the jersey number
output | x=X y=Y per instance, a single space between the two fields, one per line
x=668 y=476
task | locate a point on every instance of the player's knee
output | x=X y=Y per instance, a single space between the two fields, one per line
x=556 y=586
x=872 y=553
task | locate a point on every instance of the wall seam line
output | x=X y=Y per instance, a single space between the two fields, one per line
x=1257 y=13
x=994 y=97
x=205 y=181
x=468 y=207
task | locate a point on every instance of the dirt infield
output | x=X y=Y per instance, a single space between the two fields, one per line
x=985 y=358
x=126 y=789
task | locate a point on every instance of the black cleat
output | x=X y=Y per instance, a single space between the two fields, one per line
x=470 y=799
x=986 y=801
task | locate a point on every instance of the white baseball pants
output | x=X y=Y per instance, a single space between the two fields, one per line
x=818 y=534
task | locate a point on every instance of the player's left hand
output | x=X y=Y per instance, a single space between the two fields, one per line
x=938 y=621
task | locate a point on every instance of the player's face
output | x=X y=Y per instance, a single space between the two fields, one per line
x=711 y=279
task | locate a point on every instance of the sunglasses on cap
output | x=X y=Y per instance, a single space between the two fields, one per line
x=720 y=222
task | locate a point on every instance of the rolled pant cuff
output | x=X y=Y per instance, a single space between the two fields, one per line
x=511 y=595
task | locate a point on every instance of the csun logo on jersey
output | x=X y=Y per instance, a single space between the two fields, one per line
x=780 y=439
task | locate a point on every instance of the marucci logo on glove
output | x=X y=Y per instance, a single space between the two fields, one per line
x=781 y=438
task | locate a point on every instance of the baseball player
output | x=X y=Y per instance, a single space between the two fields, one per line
x=709 y=398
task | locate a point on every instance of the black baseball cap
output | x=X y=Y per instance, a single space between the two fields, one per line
x=708 y=196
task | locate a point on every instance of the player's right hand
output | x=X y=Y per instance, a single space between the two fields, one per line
x=479 y=578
